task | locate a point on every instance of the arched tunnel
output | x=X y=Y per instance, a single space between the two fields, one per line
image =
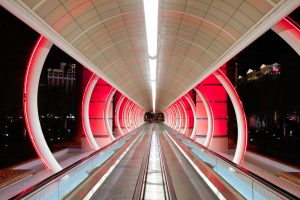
x=157 y=98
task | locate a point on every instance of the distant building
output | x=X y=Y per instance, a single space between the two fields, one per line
x=65 y=76
x=270 y=71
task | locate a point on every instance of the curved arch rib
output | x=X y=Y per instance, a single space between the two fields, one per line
x=177 y=119
x=167 y=118
x=125 y=115
x=192 y=105
x=180 y=117
x=173 y=117
x=85 y=111
x=118 y=112
x=210 y=121
x=30 y=94
x=185 y=117
x=106 y=111
x=129 y=116
x=240 y=117
x=290 y=33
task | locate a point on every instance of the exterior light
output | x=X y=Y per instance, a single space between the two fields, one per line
x=249 y=71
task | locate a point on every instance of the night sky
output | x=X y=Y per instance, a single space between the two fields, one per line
x=17 y=41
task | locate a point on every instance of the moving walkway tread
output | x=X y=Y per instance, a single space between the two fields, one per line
x=122 y=181
x=186 y=181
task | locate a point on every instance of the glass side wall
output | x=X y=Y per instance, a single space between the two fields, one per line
x=60 y=187
x=247 y=184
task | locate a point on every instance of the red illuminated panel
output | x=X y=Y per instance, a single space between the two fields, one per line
x=97 y=105
x=100 y=92
x=200 y=110
x=202 y=126
x=219 y=109
x=220 y=127
x=96 y=109
x=210 y=80
x=86 y=77
x=215 y=93
x=98 y=126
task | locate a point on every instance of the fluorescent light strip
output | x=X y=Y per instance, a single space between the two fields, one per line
x=152 y=67
x=153 y=88
x=151 y=20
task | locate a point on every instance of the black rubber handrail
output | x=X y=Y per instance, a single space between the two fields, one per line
x=243 y=170
x=64 y=171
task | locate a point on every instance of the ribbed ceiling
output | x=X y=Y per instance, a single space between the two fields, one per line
x=110 y=34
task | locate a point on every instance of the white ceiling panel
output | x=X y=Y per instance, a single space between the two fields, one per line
x=108 y=37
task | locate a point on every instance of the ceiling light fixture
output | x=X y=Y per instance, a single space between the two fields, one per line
x=152 y=66
x=151 y=21
x=153 y=88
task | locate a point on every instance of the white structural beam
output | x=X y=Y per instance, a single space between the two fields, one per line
x=142 y=116
x=133 y=116
x=117 y=116
x=129 y=116
x=185 y=117
x=124 y=115
x=192 y=105
x=176 y=116
x=106 y=112
x=172 y=116
x=240 y=117
x=138 y=114
x=210 y=119
x=289 y=32
x=179 y=116
x=85 y=111
x=166 y=115
x=30 y=94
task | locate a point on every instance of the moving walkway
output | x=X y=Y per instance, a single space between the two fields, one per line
x=154 y=162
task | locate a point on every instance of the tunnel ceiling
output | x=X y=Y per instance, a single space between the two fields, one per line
x=110 y=36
